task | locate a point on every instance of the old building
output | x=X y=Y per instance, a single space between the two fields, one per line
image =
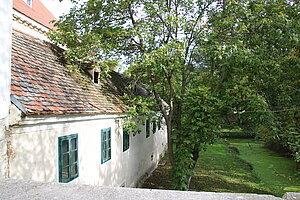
x=68 y=126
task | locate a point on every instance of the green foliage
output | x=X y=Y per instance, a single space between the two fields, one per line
x=139 y=109
x=200 y=127
x=201 y=117
x=183 y=168
x=253 y=54
x=293 y=142
x=160 y=70
x=190 y=53
x=237 y=134
x=244 y=107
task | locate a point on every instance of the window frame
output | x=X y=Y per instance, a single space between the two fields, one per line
x=159 y=125
x=154 y=127
x=147 y=128
x=105 y=145
x=70 y=151
x=126 y=140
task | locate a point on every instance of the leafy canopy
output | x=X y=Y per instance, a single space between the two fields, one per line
x=200 y=59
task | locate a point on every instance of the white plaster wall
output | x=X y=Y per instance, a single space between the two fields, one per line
x=5 y=54
x=35 y=151
x=144 y=153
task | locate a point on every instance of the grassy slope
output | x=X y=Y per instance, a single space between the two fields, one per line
x=223 y=168
x=220 y=170
x=276 y=172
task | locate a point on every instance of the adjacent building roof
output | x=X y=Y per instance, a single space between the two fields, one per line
x=43 y=85
x=37 y=12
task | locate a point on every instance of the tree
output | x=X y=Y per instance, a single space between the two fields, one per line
x=243 y=53
x=255 y=45
x=159 y=39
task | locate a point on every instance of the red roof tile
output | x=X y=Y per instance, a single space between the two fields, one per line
x=42 y=84
x=38 y=12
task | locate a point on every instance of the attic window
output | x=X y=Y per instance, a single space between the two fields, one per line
x=29 y=2
x=96 y=77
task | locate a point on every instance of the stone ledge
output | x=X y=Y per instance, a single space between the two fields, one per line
x=292 y=196
x=30 y=190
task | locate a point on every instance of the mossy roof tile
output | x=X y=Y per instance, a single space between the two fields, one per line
x=43 y=85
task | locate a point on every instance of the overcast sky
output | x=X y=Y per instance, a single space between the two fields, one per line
x=57 y=8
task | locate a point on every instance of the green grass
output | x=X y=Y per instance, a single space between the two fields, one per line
x=220 y=170
x=236 y=165
x=276 y=172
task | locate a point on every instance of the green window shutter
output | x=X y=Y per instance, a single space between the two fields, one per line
x=125 y=140
x=154 y=127
x=159 y=124
x=68 y=158
x=147 y=128
x=105 y=145
x=102 y=146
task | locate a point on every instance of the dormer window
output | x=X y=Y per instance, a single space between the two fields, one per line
x=96 y=77
x=28 y=2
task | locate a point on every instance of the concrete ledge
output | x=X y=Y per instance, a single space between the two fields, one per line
x=292 y=196
x=25 y=190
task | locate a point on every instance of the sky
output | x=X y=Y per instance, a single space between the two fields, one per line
x=57 y=8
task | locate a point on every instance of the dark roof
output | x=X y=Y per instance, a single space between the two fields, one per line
x=43 y=85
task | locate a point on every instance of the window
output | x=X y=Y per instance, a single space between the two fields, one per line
x=105 y=145
x=68 y=158
x=159 y=124
x=154 y=127
x=29 y=2
x=96 y=77
x=147 y=128
x=125 y=140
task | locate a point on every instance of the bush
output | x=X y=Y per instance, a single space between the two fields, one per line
x=237 y=134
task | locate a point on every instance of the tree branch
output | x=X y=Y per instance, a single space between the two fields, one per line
x=269 y=111
x=212 y=70
x=133 y=21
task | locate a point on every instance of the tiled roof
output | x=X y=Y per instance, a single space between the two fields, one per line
x=38 y=12
x=43 y=85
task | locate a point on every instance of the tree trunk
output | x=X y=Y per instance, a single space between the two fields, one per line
x=195 y=159
x=188 y=182
x=177 y=115
x=170 y=140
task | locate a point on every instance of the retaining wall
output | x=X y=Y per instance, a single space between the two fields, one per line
x=29 y=190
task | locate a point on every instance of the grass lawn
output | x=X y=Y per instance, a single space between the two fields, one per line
x=242 y=166
x=219 y=169
x=276 y=172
